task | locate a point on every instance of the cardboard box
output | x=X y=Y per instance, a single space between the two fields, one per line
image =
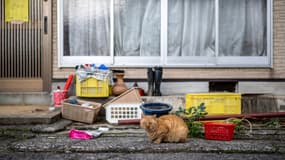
x=78 y=113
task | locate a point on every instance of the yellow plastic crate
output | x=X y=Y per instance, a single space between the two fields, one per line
x=92 y=87
x=216 y=103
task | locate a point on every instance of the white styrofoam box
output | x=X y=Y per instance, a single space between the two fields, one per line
x=123 y=111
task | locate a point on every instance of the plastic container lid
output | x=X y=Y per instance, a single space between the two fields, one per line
x=103 y=67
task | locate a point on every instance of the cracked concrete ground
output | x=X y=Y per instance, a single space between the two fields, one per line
x=130 y=142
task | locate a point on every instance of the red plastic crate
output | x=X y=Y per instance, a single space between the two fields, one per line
x=219 y=131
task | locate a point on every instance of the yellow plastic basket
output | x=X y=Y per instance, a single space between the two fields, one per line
x=92 y=87
x=216 y=103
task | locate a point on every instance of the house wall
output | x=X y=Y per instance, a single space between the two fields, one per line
x=277 y=72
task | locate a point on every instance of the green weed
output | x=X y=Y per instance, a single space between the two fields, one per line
x=194 y=114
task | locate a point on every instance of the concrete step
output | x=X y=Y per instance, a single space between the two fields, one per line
x=28 y=114
x=25 y=98
x=250 y=104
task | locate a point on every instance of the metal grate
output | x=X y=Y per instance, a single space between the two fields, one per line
x=21 y=44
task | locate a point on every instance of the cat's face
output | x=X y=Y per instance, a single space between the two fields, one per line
x=149 y=123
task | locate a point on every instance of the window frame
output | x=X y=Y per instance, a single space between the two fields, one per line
x=163 y=59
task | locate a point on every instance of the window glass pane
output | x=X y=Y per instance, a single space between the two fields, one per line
x=137 y=27
x=191 y=28
x=242 y=28
x=86 y=27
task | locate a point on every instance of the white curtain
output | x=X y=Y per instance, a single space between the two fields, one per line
x=191 y=28
x=137 y=27
x=86 y=27
x=242 y=28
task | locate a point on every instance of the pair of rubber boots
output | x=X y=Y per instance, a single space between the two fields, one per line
x=154 y=78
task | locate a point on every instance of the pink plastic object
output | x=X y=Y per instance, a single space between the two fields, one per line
x=77 y=134
x=59 y=96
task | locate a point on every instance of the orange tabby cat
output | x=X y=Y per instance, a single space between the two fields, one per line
x=167 y=128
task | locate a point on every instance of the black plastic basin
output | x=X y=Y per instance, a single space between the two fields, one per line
x=157 y=109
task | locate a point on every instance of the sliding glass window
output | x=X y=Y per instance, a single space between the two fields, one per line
x=174 y=33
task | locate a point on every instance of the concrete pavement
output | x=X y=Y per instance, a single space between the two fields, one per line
x=139 y=156
x=130 y=142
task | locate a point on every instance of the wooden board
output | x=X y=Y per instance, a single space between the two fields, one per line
x=19 y=85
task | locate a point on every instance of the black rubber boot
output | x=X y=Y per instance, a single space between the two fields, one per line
x=150 y=80
x=157 y=80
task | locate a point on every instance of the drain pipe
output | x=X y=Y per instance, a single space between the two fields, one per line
x=251 y=115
